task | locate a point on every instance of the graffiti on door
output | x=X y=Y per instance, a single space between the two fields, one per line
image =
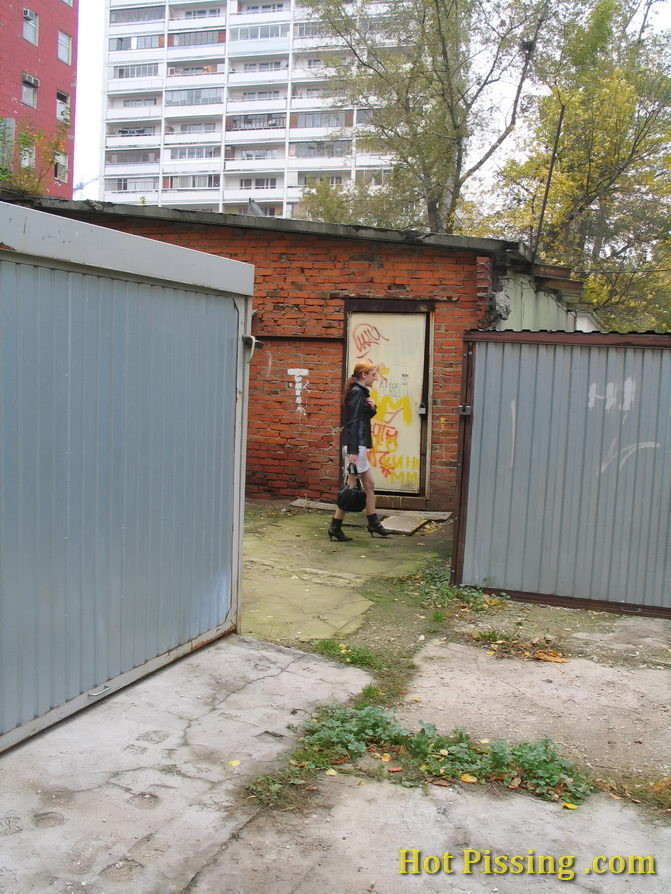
x=395 y=343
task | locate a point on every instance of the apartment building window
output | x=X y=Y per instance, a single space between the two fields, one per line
x=309 y=29
x=312 y=179
x=203 y=68
x=30 y=26
x=148 y=42
x=326 y=149
x=147 y=70
x=320 y=119
x=263 y=7
x=257 y=122
x=314 y=63
x=134 y=132
x=29 y=86
x=196 y=38
x=193 y=127
x=274 y=65
x=195 y=152
x=202 y=13
x=204 y=96
x=136 y=101
x=61 y=167
x=119 y=43
x=62 y=106
x=258 y=182
x=65 y=47
x=258 y=154
x=131 y=184
x=259 y=32
x=139 y=14
x=192 y=181
x=133 y=157
x=260 y=95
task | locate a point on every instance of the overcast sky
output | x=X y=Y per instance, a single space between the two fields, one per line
x=89 y=96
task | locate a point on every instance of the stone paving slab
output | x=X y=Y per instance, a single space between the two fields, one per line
x=403 y=524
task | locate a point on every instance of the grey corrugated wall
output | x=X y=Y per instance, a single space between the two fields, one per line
x=117 y=419
x=570 y=472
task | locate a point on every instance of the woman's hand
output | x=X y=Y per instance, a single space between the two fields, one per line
x=352 y=458
x=371 y=403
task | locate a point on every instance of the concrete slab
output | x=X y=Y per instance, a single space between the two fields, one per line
x=400 y=524
x=430 y=514
x=352 y=844
x=138 y=793
x=299 y=585
x=611 y=718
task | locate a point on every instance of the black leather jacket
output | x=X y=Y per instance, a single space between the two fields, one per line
x=358 y=415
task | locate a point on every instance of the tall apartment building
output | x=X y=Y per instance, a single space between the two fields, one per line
x=38 y=55
x=211 y=104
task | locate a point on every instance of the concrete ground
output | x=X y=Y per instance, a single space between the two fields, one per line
x=144 y=793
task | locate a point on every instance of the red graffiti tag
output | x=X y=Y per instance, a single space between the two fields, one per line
x=365 y=336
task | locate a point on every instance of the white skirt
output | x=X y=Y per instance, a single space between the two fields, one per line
x=362 y=464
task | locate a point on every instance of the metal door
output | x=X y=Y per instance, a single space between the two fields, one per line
x=396 y=343
x=566 y=469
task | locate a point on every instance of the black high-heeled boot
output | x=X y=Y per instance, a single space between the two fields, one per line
x=375 y=526
x=335 y=530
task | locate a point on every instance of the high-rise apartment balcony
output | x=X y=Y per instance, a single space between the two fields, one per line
x=141 y=84
x=188 y=197
x=238 y=77
x=204 y=51
x=126 y=169
x=181 y=23
x=317 y=163
x=132 y=113
x=268 y=164
x=186 y=139
x=259 y=195
x=176 y=79
x=130 y=141
x=239 y=104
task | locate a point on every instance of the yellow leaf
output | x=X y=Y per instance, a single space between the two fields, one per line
x=417 y=699
x=569 y=806
x=234 y=763
x=361 y=782
x=424 y=768
x=515 y=783
x=552 y=655
x=443 y=751
x=468 y=777
x=386 y=757
x=490 y=652
x=331 y=772
x=483 y=741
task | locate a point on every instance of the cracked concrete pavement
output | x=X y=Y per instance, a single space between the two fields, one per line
x=137 y=793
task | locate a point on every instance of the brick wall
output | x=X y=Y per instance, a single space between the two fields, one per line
x=302 y=285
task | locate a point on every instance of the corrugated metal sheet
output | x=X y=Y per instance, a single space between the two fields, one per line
x=569 y=490
x=117 y=425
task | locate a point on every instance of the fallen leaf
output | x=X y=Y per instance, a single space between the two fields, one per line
x=515 y=783
x=490 y=652
x=312 y=788
x=569 y=806
x=551 y=655
x=417 y=699
x=468 y=777
x=394 y=769
x=331 y=772
x=443 y=782
x=386 y=757
x=443 y=751
x=361 y=782
x=234 y=763
x=483 y=741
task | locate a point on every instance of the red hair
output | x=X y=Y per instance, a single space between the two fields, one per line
x=362 y=367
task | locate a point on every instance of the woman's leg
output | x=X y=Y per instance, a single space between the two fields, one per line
x=367 y=484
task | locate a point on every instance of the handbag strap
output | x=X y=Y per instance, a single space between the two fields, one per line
x=352 y=470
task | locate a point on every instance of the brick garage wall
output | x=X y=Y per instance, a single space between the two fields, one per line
x=302 y=285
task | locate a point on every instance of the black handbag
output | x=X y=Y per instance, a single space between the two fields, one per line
x=351 y=499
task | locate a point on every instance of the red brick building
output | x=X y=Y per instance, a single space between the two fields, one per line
x=324 y=291
x=38 y=60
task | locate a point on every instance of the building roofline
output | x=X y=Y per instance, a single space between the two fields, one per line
x=514 y=250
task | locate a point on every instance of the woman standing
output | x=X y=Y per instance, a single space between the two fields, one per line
x=359 y=410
